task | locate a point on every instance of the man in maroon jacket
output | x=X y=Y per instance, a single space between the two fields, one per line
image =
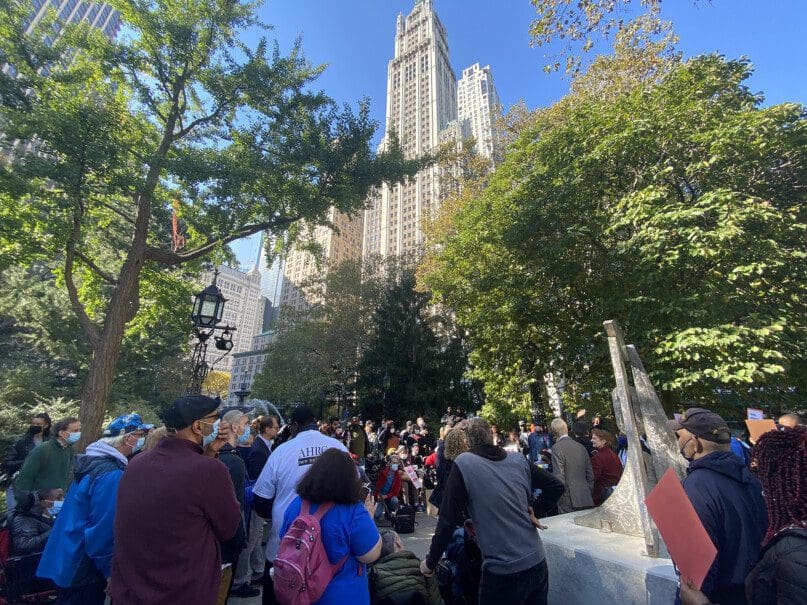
x=176 y=503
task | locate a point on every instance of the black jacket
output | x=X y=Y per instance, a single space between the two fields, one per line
x=29 y=531
x=780 y=578
x=231 y=549
x=17 y=453
x=258 y=455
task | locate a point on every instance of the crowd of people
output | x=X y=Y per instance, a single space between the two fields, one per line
x=216 y=504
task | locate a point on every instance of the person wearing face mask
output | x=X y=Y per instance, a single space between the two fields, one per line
x=727 y=498
x=176 y=505
x=231 y=551
x=388 y=488
x=32 y=521
x=49 y=464
x=38 y=432
x=78 y=555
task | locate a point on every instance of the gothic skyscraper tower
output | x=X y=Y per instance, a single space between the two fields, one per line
x=421 y=101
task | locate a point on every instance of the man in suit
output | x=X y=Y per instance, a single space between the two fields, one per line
x=259 y=452
x=572 y=465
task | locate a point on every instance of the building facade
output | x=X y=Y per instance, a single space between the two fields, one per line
x=478 y=105
x=421 y=102
x=243 y=309
x=246 y=366
x=97 y=14
x=302 y=267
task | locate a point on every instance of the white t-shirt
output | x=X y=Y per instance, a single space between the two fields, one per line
x=284 y=468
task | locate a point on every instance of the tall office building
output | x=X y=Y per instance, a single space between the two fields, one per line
x=243 y=309
x=478 y=105
x=97 y=14
x=301 y=267
x=421 y=102
x=271 y=282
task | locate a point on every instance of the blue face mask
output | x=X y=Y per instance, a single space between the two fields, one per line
x=242 y=439
x=394 y=467
x=208 y=439
x=57 y=506
x=73 y=437
x=139 y=445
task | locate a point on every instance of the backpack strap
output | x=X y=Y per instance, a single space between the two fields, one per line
x=321 y=511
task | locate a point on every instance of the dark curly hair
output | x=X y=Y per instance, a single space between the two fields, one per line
x=781 y=460
x=332 y=478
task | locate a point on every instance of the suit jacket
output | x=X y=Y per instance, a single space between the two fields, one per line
x=572 y=465
x=258 y=455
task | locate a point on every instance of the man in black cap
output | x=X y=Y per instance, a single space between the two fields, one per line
x=176 y=504
x=275 y=488
x=727 y=498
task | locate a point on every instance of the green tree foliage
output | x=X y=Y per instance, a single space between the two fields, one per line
x=107 y=135
x=45 y=353
x=579 y=26
x=314 y=356
x=414 y=361
x=675 y=206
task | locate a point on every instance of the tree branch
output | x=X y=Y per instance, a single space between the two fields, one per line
x=90 y=329
x=98 y=271
x=171 y=258
x=203 y=120
x=117 y=211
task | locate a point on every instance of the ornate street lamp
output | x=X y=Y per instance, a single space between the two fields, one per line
x=208 y=308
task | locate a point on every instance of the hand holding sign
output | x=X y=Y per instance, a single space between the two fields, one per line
x=690 y=546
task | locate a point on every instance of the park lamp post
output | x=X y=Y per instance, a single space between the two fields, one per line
x=208 y=308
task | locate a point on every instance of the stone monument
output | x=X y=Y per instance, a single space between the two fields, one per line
x=613 y=553
x=639 y=413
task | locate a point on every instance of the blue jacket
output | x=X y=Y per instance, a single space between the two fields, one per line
x=729 y=503
x=79 y=550
x=537 y=443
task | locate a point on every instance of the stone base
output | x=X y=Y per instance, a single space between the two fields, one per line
x=591 y=566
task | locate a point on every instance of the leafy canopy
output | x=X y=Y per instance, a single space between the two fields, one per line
x=675 y=206
x=110 y=136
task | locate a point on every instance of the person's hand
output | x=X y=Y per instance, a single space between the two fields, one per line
x=219 y=442
x=581 y=413
x=691 y=595
x=535 y=520
x=370 y=504
x=424 y=569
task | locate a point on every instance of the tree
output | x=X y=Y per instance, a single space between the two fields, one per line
x=45 y=354
x=216 y=383
x=315 y=353
x=109 y=135
x=414 y=360
x=675 y=206
x=581 y=24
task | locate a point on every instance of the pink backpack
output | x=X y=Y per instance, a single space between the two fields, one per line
x=302 y=569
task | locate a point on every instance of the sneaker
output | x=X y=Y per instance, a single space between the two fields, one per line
x=256 y=580
x=245 y=591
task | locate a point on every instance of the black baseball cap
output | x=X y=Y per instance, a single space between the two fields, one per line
x=187 y=410
x=703 y=424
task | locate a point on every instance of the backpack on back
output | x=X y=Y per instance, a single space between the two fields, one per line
x=301 y=568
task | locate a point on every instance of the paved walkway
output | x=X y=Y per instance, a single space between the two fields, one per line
x=417 y=542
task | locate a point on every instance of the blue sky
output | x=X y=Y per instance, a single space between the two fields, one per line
x=355 y=39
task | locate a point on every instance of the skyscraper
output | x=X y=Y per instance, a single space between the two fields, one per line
x=478 y=104
x=421 y=101
x=336 y=246
x=97 y=14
